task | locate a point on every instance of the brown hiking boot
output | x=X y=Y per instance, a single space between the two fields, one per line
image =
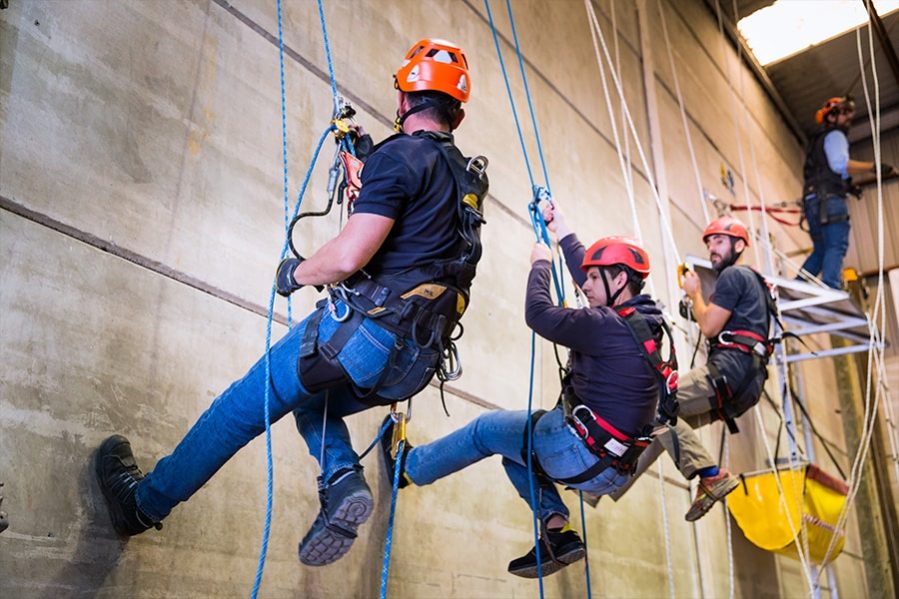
x=711 y=489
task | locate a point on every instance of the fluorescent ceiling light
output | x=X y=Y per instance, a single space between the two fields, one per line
x=790 y=26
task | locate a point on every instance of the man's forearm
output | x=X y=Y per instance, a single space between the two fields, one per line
x=858 y=167
x=326 y=266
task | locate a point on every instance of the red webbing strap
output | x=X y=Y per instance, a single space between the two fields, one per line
x=642 y=334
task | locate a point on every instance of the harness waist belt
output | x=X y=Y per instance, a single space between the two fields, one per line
x=748 y=342
x=614 y=448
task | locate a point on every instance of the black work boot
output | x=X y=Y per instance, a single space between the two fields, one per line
x=389 y=461
x=558 y=548
x=118 y=476
x=346 y=503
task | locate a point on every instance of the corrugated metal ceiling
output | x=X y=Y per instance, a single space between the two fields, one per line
x=807 y=79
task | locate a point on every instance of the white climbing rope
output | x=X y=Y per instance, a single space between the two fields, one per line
x=763 y=434
x=683 y=113
x=739 y=139
x=594 y=23
x=729 y=529
x=624 y=164
x=875 y=346
x=668 y=559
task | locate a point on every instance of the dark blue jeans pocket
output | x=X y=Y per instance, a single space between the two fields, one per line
x=367 y=353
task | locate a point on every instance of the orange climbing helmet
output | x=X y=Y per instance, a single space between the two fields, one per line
x=726 y=225
x=612 y=251
x=831 y=105
x=435 y=65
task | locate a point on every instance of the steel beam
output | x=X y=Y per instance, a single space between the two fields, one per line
x=884 y=38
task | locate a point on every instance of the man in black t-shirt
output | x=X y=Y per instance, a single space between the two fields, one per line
x=735 y=321
x=398 y=275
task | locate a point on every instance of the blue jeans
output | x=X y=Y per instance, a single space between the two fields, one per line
x=561 y=454
x=829 y=242
x=237 y=416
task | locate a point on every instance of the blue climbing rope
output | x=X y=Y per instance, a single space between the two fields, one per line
x=285 y=183
x=321 y=18
x=527 y=93
x=586 y=553
x=257 y=583
x=388 y=542
x=538 y=223
x=531 y=477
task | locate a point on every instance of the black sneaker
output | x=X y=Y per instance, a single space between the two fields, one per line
x=118 y=476
x=389 y=461
x=346 y=503
x=564 y=548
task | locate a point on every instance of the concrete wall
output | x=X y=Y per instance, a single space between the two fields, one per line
x=140 y=181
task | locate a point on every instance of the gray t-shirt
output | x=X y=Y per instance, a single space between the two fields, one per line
x=739 y=290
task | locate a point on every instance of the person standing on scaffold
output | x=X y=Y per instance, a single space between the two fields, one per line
x=828 y=174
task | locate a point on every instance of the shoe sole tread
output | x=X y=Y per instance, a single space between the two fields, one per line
x=708 y=502
x=552 y=566
x=328 y=545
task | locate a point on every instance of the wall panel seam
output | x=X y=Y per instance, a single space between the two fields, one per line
x=183 y=278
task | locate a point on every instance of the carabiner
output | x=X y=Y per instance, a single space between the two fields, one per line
x=450 y=358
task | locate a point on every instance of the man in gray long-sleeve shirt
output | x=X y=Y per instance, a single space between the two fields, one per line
x=608 y=376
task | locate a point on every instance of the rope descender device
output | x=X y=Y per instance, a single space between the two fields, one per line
x=541 y=194
x=399 y=431
x=343 y=163
x=343 y=117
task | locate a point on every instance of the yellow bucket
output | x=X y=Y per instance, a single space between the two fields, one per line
x=812 y=504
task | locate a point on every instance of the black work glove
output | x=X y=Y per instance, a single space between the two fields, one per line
x=363 y=144
x=887 y=170
x=285 y=284
x=685 y=307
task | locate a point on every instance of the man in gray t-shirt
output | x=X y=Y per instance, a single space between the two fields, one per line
x=736 y=322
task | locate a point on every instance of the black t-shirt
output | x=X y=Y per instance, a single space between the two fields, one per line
x=408 y=179
x=739 y=290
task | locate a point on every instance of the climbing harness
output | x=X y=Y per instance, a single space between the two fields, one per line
x=732 y=400
x=421 y=305
x=614 y=448
x=665 y=370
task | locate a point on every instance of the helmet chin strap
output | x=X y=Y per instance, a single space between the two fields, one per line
x=401 y=118
x=610 y=297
